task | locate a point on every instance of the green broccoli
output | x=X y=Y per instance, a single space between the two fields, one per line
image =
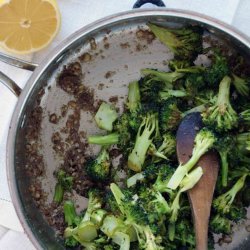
x=143 y=140
x=245 y=117
x=134 y=98
x=165 y=150
x=223 y=203
x=98 y=169
x=219 y=68
x=64 y=183
x=221 y=115
x=163 y=177
x=220 y=224
x=70 y=215
x=204 y=140
x=175 y=65
x=241 y=85
x=105 y=116
x=104 y=140
x=186 y=43
x=167 y=77
x=86 y=230
x=136 y=217
x=224 y=145
x=243 y=142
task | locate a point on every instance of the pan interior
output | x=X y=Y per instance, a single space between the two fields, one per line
x=48 y=137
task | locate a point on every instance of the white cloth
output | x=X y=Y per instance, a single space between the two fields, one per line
x=75 y=14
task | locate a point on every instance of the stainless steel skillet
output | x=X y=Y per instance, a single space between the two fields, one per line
x=110 y=53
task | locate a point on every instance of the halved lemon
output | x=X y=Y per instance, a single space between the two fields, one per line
x=27 y=26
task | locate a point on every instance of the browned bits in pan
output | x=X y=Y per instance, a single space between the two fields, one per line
x=53 y=118
x=93 y=45
x=109 y=74
x=86 y=57
x=145 y=35
x=70 y=78
x=124 y=45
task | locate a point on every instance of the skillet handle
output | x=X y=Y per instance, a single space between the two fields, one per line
x=10 y=84
x=158 y=3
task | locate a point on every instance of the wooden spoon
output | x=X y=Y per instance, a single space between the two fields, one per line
x=201 y=195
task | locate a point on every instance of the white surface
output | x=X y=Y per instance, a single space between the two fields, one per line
x=75 y=14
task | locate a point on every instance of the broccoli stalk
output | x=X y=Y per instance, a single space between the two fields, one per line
x=168 y=93
x=64 y=183
x=105 y=116
x=223 y=202
x=98 y=169
x=224 y=145
x=104 y=140
x=204 y=140
x=221 y=115
x=241 y=85
x=134 y=98
x=167 y=77
x=143 y=140
x=187 y=183
x=186 y=43
x=70 y=215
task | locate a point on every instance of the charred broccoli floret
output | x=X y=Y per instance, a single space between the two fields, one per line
x=98 y=169
x=204 y=140
x=186 y=43
x=221 y=115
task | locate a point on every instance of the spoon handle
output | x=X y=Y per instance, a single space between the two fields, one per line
x=201 y=198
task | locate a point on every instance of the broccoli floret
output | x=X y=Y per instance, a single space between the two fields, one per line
x=237 y=212
x=220 y=224
x=243 y=142
x=219 y=68
x=223 y=203
x=86 y=230
x=136 y=217
x=245 y=117
x=149 y=173
x=175 y=65
x=98 y=169
x=169 y=115
x=224 y=145
x=164 y=175
x=105 y=116
x=221 y=115
x=204 y=140
x=64 y=183
x=95 y=202
x=241 y=85
x=70 y=215
x=143 y=140
x=186 y=43
x=185 y=233
x=165 y=150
